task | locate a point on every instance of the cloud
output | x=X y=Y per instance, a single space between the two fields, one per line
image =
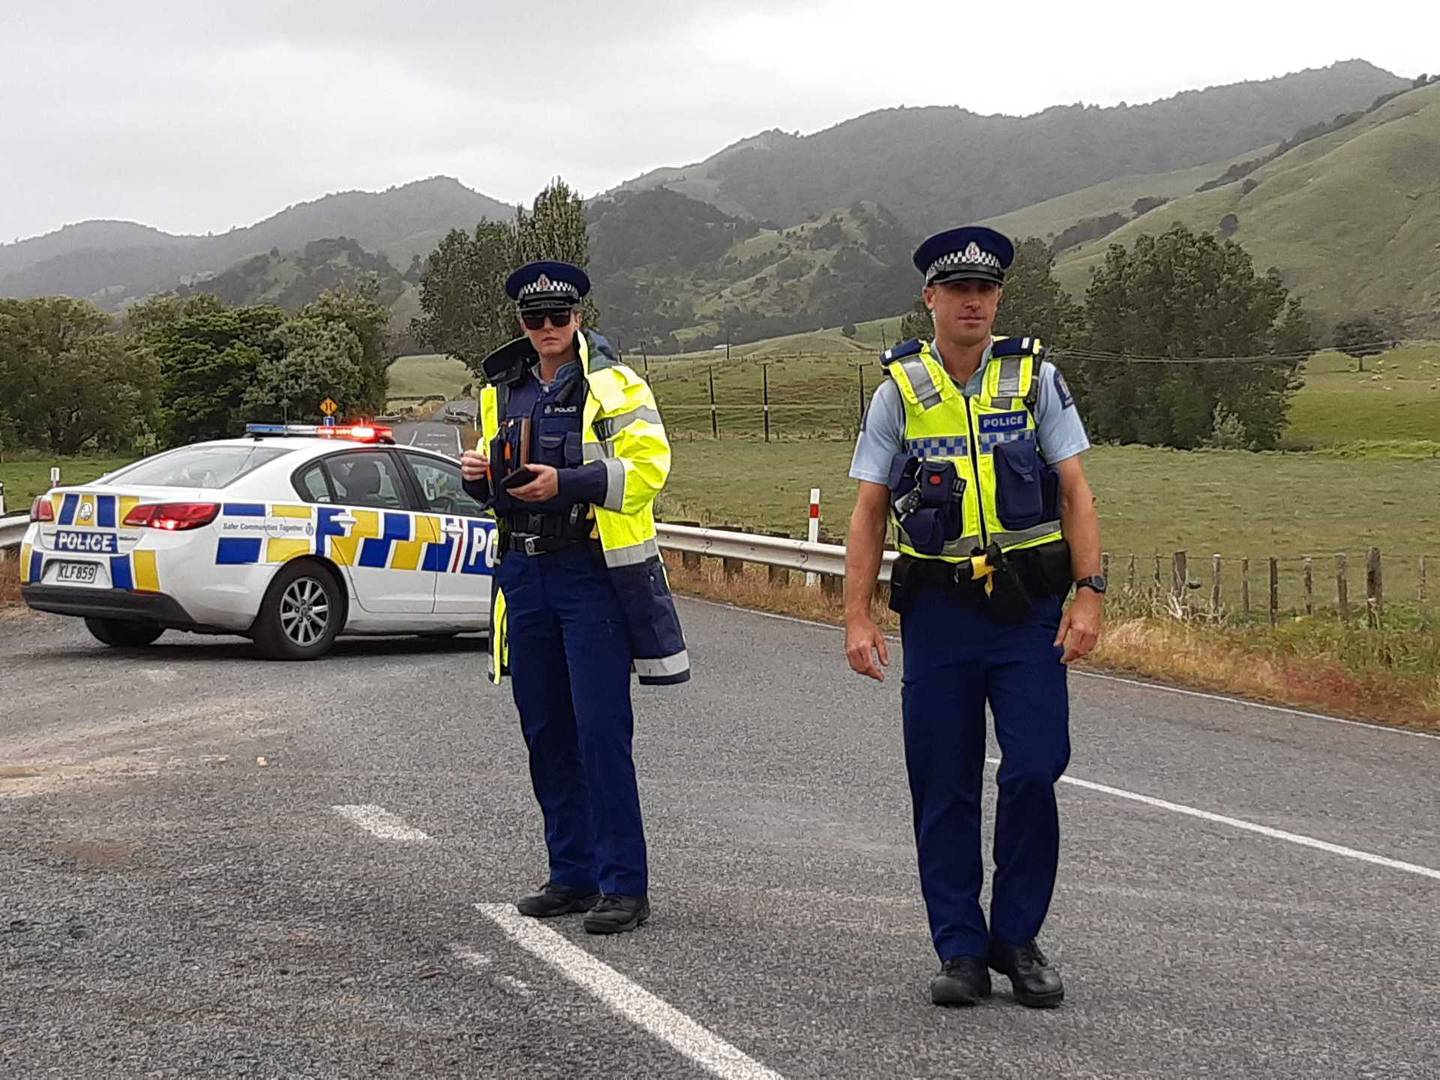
x=202 y=116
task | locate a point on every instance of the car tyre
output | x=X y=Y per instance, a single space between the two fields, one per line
x=123 y=634
x=301 y=614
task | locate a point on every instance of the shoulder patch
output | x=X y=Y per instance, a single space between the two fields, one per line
x=901 y=351
x=1067 y=401
x=1016 y=346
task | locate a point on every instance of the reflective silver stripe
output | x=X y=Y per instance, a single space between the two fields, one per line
x=606 y=427
x=1006 y=539
x=1008 y=385
x=598 y=451
x=635 y=553
x=614 y=484
x=961 y=547
x=924 y=386
x=663 y=665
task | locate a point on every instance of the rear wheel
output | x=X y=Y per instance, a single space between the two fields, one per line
x=301 y=613
x=123 y=634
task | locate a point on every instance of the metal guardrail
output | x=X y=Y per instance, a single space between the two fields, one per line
x=12 y=530
x=778 y=551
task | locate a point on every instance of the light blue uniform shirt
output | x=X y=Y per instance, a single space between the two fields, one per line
x=1059 y=432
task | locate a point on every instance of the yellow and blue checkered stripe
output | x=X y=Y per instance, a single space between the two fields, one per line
x=378 y=539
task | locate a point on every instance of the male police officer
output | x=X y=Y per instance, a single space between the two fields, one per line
x=972 y=449
x=571 y=457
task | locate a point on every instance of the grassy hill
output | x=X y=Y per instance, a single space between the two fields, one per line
x=114 y=263
x=944 y=165
x=292 y=280
x=1046 y=219
x=1352 y=218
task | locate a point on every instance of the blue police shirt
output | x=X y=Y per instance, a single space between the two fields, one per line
x=1059 y=432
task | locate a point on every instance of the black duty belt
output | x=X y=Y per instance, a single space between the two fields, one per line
x=530 y=544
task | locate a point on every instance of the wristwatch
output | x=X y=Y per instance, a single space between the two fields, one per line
x=1094 y=581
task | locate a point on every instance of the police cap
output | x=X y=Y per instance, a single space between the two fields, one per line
x=971 y=252
x=547 y=285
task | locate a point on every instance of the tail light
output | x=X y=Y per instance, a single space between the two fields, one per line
x=173 y=517
x=42 y=509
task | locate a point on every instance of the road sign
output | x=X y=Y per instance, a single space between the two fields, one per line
x=328 y=407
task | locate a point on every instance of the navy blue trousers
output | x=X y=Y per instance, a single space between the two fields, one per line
x=570 y=669
x=955 y=660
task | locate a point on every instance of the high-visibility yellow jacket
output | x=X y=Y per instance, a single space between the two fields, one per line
x=621 y=427
x=1009 y=495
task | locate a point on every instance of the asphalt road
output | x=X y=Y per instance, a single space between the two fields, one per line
x=431 y=435
x=170 y=906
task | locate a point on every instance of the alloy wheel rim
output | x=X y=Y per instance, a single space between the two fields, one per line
x=304 y=611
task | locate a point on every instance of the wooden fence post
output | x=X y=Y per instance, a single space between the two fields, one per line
x=832 y=585
x=1309 y=586
x=1158 y=585
x=1132 y=573
x=765 y=375
x=714 y=413
x=1215 y=586
x=1179 y=575
x=778 y=575
x=1342 y=588
x=1374 y=588
x=1422 y=580
x=1105 y=565
x=1274 y=589
x=1245 y=586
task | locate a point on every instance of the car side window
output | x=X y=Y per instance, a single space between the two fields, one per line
x=442 y=486
x=366 y=478
x=311 y=484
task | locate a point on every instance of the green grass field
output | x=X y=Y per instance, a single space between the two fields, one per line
x=26 y=475
x=1396 y=399
x=424 y=375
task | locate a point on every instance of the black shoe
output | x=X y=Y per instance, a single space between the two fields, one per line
x=962 y=981
x=1036 y=984
x=616 y=914
x=550 y=900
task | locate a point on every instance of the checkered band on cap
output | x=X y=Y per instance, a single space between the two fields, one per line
x=973 y=255
x=543 y=284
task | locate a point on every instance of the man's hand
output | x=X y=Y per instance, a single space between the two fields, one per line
x=546 y=484
x=474 y=465
x=864 y=643
x=1080 y=625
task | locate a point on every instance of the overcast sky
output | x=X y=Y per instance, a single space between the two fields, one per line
x=195 y=116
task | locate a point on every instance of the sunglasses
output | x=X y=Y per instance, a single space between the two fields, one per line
x=558 y=319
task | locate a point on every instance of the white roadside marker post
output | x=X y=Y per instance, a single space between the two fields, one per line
x=811 y=578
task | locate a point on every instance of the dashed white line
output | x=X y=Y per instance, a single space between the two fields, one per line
x=631 y=1001
x=1251 y=826
x=381 y=823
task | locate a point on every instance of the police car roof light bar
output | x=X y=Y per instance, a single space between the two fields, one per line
x=370 y=433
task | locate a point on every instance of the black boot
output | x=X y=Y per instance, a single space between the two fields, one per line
x=1036 y=984
x=616 y=914
x=550 y=900
x=962 y=981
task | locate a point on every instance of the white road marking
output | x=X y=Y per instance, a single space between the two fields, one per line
x=631 y=1001
x=1162 y=687
x=380 y=822
x=1249 y=826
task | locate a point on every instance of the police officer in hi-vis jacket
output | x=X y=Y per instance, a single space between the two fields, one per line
x=971 y=449
x=571 y=457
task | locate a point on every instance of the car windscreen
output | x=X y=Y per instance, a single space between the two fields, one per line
x=197 y=466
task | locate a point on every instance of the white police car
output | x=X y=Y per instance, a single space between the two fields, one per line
x=290 y=536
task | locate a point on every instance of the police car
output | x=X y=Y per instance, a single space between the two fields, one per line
x=289 y=536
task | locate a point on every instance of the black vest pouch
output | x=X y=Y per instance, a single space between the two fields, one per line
x=926 y=497
x=1019 y=484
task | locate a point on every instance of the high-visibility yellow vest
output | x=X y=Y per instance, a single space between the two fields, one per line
x=620 y=426
x=1010 y=497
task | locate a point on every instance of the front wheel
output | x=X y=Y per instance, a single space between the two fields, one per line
x=300 y=615
x=123 y=634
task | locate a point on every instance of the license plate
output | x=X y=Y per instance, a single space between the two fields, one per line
x=81 y=573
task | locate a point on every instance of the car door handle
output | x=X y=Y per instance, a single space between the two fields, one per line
x=344 y=519
x=455 y=528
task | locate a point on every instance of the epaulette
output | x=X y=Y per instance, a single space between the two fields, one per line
x=902 y=350
x=1016 y=346
x=509 y=363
